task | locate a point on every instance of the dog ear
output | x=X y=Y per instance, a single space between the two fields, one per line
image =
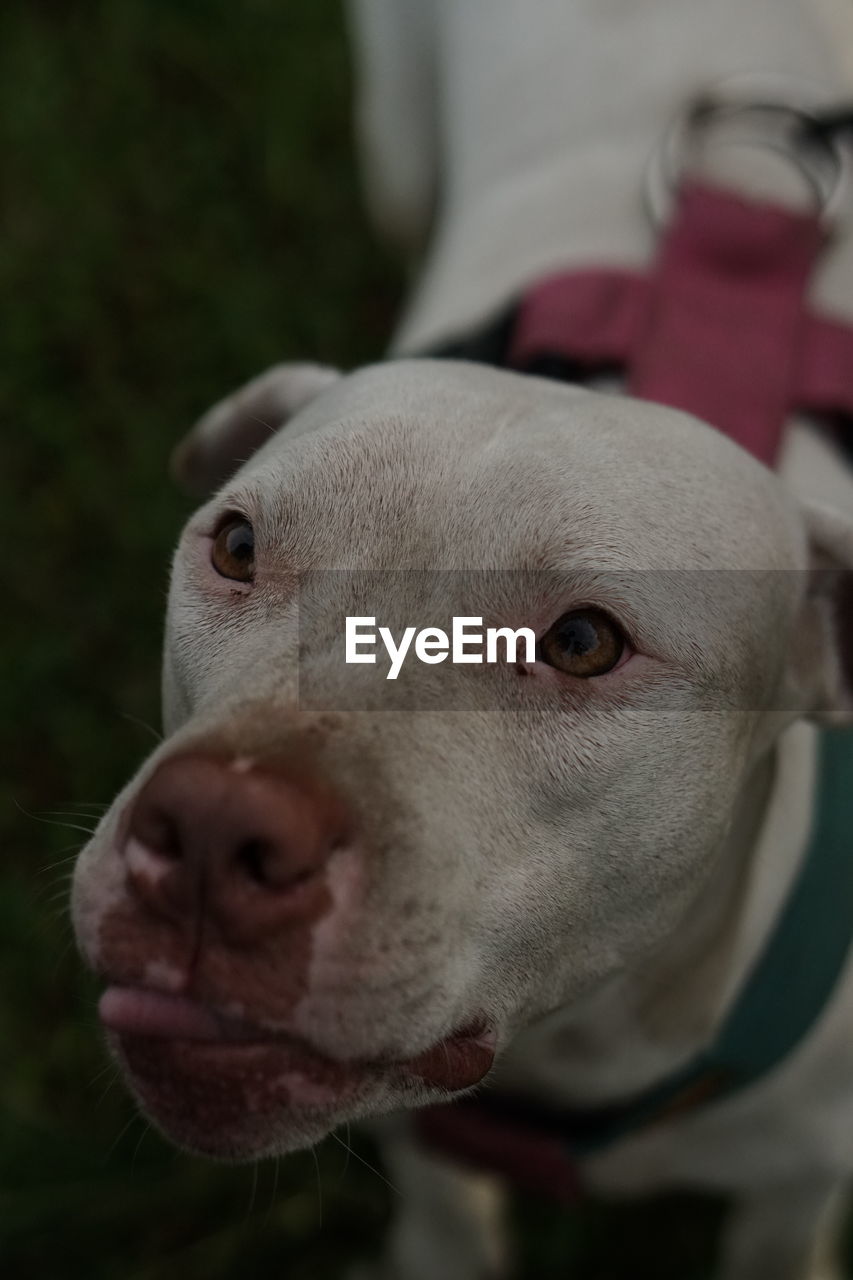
x=824 y=640
x=235 y=427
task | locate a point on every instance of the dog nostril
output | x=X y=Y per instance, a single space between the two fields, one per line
x=255 y=857
x=260 y=860
x=160 y=833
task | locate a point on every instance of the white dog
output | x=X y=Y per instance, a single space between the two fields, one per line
x=328 y=896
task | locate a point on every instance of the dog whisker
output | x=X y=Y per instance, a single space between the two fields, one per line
x=253 y=1193
x=348 y=1151
x=61 y=862
x=262 y=422
x=274 y=1193
x=97 y=806
x=125 y=1129
x=319 y=1186
x=143 y=1135
x=337 y=1137
x=143 y=724
x=108 y=1067
x=53 y=822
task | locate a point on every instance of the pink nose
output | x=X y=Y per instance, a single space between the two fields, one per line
x=245 y=846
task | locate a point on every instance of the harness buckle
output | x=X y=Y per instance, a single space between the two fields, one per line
x=756 y=111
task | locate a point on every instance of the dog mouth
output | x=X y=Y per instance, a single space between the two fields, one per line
x=223 y=1086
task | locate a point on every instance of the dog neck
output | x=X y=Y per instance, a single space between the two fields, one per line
x=644 y=1024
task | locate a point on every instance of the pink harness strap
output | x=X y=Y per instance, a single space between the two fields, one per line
x=467 y=1133
x=719 y=327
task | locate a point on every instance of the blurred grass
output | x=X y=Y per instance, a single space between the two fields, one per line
x=180 y=210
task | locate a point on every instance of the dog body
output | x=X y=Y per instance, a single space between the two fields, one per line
x=524 y=129
x=272 y=896
x=525 y=132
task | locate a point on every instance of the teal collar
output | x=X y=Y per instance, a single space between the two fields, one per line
x=795 y=974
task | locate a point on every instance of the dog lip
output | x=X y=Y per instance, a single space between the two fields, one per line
x=455 y=1062
x=459 y=1061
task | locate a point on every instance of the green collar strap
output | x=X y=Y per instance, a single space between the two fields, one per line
x=795 y=975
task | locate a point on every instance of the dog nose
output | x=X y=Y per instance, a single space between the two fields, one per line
x=242 y=845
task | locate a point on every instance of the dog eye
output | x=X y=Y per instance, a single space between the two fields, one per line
x=583 y=643
x=233 y=552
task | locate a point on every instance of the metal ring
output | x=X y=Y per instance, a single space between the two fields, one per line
x=765 y=101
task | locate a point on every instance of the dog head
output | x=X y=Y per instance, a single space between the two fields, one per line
x=328 y=894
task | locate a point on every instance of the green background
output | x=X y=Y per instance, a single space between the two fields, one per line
x=181 y=209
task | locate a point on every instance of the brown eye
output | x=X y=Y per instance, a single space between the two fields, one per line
x=583 y=643
x=233 y=553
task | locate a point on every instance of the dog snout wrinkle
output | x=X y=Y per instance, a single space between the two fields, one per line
x=242 y=849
